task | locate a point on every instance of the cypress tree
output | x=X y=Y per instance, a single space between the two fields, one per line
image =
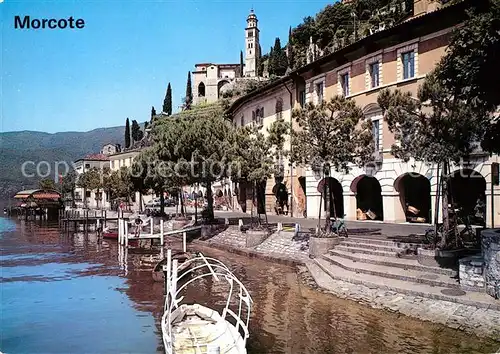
x=189 y=92
x=127 y=134
x=136 y=131
x=291 y=59
x=280 y=61
x=167 y=102
x=153 y=112
x=241 y=63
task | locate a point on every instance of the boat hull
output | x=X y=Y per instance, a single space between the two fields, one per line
x=195 y=323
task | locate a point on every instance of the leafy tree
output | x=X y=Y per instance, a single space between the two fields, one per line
x=137 y=133
x=90 y=180
x=333 y=135
x=443 y=130
x=127 y=133
x=277 y=136
x=69 y=185
x=153 y=113
x=471 y=62
x=251 y=162
x=167 y=102
x=47 y=183
x=205 y=143
x=188 y=100
x=241 y=63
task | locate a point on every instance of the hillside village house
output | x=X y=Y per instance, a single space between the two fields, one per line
x=94 y=199
x=125 y=159
x=397 y=57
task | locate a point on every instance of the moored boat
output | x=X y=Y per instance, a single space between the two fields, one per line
x=195 y=328
x=110 y=233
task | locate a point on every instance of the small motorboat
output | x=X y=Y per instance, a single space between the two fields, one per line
x=181 y=257
x=111 y=233
x=195 y=328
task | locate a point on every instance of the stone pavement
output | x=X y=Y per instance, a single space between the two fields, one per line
x=480 y=321
x=375 y=228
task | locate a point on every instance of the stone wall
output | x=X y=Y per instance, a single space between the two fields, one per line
x=490 y=246
x=472 y=273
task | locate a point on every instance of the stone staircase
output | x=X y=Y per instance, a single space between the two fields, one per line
x=384 y=264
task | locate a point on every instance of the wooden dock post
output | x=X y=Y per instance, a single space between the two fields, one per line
x=126 y=234
x=169 y=267
x=120 y=231
x=152 y=226
x=161 y=233
x=184 y=241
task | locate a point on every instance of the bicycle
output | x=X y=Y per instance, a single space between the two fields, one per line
x=338 y=226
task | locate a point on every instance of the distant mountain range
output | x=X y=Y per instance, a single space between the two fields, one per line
x=18 y=147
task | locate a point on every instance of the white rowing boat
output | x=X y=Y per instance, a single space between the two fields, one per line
x=195 y=328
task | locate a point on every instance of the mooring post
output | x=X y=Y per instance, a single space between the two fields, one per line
x=126 y=234
x=280 y=226
x=161 y=233
x=240 y=224
x=169 y=270
x=152 y=225
x=184 y=241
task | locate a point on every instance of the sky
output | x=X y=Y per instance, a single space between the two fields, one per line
x=120 y=63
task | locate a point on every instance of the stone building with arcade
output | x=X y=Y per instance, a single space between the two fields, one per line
x=387 y=189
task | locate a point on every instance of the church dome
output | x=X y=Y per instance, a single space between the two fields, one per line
x=251 y=16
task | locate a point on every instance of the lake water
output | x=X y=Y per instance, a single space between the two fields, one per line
x=71 y=293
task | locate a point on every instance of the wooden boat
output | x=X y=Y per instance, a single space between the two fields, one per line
x=180 y=256
x=110 y=233
x=195 y=328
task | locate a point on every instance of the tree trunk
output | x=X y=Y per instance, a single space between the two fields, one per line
x=327 y=205
x=446 y=220
x=253 y=200
x=319 y=214
x=84 y=198
x=73 y=203
x=140 y=202
x=436 y=217
x=162 y=202
x=210 y=201
x=183 y=213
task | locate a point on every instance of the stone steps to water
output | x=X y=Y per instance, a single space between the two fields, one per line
x=370 y=246
x=390 y=272
x=477 y=299
x=402 y=263
x=350 y=249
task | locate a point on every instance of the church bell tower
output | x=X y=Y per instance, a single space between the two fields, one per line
x=252 y=47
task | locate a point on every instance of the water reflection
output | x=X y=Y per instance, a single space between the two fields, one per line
x=53 y=279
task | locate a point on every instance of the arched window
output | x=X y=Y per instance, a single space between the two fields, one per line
x=201 y=90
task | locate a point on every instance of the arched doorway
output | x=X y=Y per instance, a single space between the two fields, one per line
x=368 y=198
x=415 y=196
x=336 y=196
x=201 y=90
x=467 y=192
x=219 y=87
